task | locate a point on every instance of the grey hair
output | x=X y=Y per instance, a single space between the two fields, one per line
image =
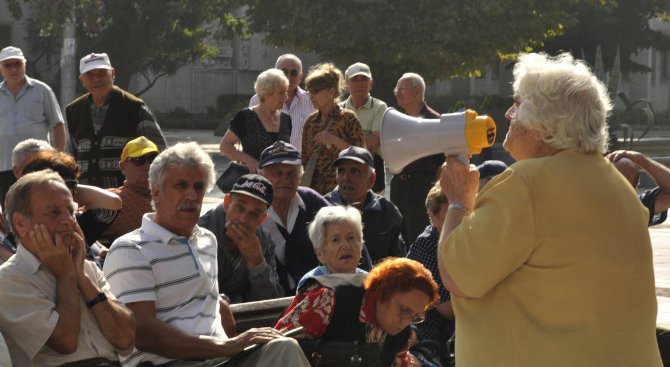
x=20 y=193
x=26 y=148
x=270 y=81
x=417 y=81
x=188 y=154
x=329 y=215
x=562 y=100
x=293 y=57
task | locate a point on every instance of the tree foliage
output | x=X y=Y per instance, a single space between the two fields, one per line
x=622 y=24
x=150 y=37
x=435 y=38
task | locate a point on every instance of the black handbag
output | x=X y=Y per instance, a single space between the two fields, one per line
x=341 y=354
x=230 y=175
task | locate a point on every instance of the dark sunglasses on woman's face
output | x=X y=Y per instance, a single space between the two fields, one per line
x=140 y=161
x=292 y=72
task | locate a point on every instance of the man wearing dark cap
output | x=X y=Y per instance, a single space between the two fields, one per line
x=293 y=208
x=166 y=272
x=246 y=255
x=381 y=219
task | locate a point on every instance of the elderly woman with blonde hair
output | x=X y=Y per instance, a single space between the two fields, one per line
x=553 y=256
x=259 y=126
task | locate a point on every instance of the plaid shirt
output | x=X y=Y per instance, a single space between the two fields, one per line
x=135 y=204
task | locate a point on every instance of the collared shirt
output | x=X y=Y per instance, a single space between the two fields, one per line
x=32 y=113
x=239 y=281
x=28 y=313
x=178 y=273
x=369 y=114
x=301 y=107
x=270 y=226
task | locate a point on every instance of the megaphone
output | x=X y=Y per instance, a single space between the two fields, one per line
x=405 y=139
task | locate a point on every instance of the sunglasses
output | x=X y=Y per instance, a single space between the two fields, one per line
x=292 y=72
x=72 y=185
x=140 y=161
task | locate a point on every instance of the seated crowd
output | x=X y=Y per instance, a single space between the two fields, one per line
x=97 y=274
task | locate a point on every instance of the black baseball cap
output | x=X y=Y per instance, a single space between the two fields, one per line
x=358 y=154
x=256 y=186
x=280 y=152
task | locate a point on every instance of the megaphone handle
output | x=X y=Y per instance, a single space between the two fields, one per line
x=463 y=158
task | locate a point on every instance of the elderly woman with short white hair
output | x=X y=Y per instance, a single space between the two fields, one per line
x=259 y=126
x=553 y=256
x=337 y=236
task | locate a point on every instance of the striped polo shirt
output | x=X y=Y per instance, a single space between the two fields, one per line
x=178 y=273
x=301 y=107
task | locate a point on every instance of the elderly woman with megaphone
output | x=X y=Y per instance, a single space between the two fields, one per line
x=327 y=131
x=553 y=256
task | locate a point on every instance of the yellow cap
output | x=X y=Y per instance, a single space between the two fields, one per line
x=137 y=148
x=480 y=131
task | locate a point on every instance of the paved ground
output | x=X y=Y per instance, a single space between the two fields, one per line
x=660 y=235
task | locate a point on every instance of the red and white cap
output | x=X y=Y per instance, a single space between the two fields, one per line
x=94 y=61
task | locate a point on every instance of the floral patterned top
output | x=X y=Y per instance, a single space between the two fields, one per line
x=313 y=307
x=346 y=127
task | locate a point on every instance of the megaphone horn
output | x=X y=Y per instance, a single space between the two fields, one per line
x=405 y=139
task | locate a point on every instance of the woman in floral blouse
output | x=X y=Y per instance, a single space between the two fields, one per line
x=381 y=306
x=330 y=128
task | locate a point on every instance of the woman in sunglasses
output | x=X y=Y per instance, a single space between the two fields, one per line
x=98 y=208
x=363 y=317
x=258 y=127
x=328 y=130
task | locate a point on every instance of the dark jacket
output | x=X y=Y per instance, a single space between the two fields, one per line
x=381 y=225
x=98 y=154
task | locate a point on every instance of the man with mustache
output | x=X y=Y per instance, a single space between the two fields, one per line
x=246 y=255
x=381 y=218
x=166 y=272
x=56 y=308
x=103 y=120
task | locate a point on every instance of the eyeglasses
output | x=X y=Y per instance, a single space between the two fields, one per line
x=140 y=161
x=72 y=185
x=406 y=314
x=10 y=65
x=293 y=72
x=401 y=89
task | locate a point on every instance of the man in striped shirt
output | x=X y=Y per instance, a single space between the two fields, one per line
x=166 y=272
x=298 y=105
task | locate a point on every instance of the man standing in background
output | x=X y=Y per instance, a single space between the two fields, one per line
x=28 y=109
x=298 y=105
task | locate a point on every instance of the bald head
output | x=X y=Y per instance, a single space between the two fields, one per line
x=629 y=170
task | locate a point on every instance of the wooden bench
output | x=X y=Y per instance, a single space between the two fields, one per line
x=259 y=313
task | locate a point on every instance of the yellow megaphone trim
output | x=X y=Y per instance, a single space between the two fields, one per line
x=480 y=131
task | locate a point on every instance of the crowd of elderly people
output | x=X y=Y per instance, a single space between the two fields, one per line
x=108 y=258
